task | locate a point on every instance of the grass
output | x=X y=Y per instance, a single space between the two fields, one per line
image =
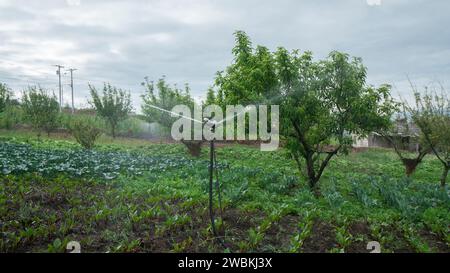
x=163 y=207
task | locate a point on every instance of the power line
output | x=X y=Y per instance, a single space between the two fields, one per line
x=71 y=86
x=58 y=72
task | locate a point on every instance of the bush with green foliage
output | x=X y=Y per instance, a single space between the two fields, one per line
x=11 y=117
x=5 y=96
x=85 y=131
x=41 y=110
x=114 y=105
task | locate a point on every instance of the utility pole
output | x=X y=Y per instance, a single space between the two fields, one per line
x=71 y=86
x=58 y=72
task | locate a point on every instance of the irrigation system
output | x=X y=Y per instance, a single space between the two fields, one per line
x=213 y=170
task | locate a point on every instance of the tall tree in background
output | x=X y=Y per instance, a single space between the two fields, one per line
x=210 y=97
x=41 y=109
x=5 y=96
x=113 y=105
x=432 y=114
x=164 y=96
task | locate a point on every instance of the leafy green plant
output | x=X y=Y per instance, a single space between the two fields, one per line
x=181 y=247
x=415 y=241
x=23 y=158
x=363 y=193
x=85 y=132
x=305 y=228
x=176 y=221
x=128 y=246
x=343 y=238
x=438 y=220
x=255 y=237
x=57 y=246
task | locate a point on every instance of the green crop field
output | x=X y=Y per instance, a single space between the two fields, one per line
x=137 y=196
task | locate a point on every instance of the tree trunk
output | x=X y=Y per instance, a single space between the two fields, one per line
x=314 y=186
x=312 y=178
x=113 y=131
x=444 y=175
x=194 y=146
x=410 y=165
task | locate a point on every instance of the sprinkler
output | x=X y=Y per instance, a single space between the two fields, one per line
x=212 y=169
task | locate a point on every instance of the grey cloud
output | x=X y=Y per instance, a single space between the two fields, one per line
x=189 y=41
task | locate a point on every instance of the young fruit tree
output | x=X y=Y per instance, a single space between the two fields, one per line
x=41 y=109
x=432 y=114
x=250 y=79
x=324 y=104
x=5 y=96
x=404 y=128
x=163 y=96
x=114 y=105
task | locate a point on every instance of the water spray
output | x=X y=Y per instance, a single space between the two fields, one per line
x=212 y=168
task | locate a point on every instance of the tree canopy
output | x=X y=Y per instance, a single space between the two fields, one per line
x=432 y=114
x=327 y=103
x=164 y=96
x=250 y=78
x=323 y=103
x=113 y=105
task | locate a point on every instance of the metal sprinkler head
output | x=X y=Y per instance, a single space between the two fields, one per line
x=212 y=123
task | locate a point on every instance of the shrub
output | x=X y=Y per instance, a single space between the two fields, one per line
x=438 y=220
x=85 y=131
x=131 y=127
x=41 y=109
x=10 y=117
x=5 y=96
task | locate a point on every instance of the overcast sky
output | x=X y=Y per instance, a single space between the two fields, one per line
x=189 y=41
